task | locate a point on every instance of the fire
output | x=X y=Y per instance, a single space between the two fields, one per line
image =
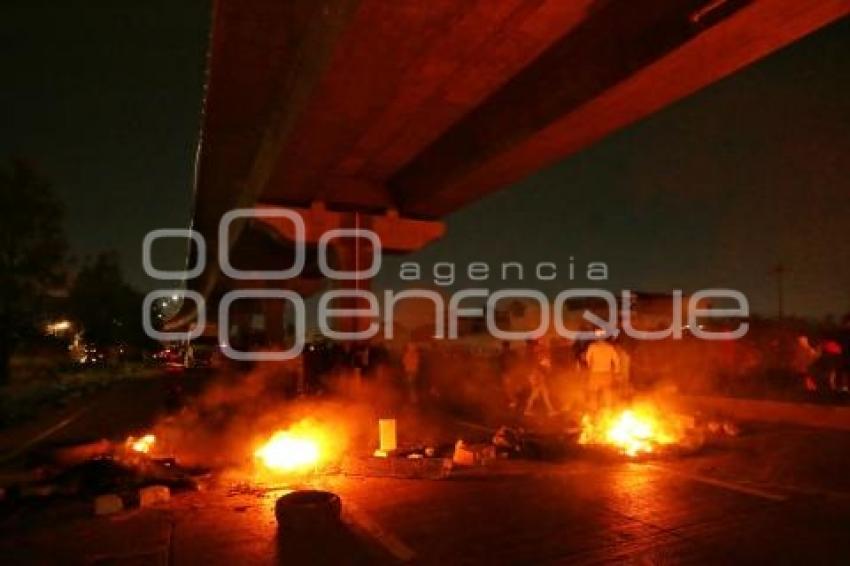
x=633 y=431
x=286 y=452
x=297 y=449
x=142 y=444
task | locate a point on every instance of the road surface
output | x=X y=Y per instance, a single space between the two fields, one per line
x=773 y=495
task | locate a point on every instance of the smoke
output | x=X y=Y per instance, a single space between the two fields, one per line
x=237 y=412
x=223 y=426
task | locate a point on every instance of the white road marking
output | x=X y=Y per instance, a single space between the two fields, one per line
x=358 y=518
x=43 y=434
x=731 y=486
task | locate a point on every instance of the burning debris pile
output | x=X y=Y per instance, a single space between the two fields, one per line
x=142 y=445
x=633 y=431
x=252 y=434
x=116 y=475
x=287 y=452
x=644 y=429
x=309 y=445
x=246 y=427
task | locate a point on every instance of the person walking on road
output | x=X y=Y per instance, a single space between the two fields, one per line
x=541 y=364
x=603 y=363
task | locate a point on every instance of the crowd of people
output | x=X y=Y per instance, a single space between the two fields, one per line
x=524 y=378
x=600 y=368
x=550 y=376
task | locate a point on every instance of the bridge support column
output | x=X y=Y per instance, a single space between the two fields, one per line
x=354 y=255
x=397 y=236
x=239 y=331
x=274 y=313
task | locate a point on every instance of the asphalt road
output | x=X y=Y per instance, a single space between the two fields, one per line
x=772 y=496
x=113 y=413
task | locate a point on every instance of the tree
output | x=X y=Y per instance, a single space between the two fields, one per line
x=106 y=306
x=32 y=254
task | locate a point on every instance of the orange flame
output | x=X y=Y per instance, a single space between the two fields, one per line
x=297 y=449
x=633 y=431
x=142 y=444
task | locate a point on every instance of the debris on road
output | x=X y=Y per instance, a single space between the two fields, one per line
x=397 y=467
x=108 y=504
x=153 y=494
x=106 y=475
x=508 y=441
x=473 y=454
x=726 y=427
x=731 y=429
x=463 y=456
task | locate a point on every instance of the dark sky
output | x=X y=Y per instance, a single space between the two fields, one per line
x=105 y=96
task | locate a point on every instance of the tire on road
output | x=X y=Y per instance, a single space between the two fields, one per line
x=308 y=511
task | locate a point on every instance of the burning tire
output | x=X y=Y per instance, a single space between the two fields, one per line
x=308 y=511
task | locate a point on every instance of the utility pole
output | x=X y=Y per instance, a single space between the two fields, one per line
x=779 y=271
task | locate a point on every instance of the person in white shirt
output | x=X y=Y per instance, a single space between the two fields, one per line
x=603 y=363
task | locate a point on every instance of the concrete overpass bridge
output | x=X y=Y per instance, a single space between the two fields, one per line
x=396 y=113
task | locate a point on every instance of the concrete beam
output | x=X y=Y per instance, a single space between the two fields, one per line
x=397 y=234
x=624 y=62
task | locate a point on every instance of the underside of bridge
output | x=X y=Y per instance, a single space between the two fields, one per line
x=418 y=108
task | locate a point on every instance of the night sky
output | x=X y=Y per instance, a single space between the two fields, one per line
x=104 y=98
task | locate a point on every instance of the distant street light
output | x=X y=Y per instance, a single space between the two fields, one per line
x=58 y=327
